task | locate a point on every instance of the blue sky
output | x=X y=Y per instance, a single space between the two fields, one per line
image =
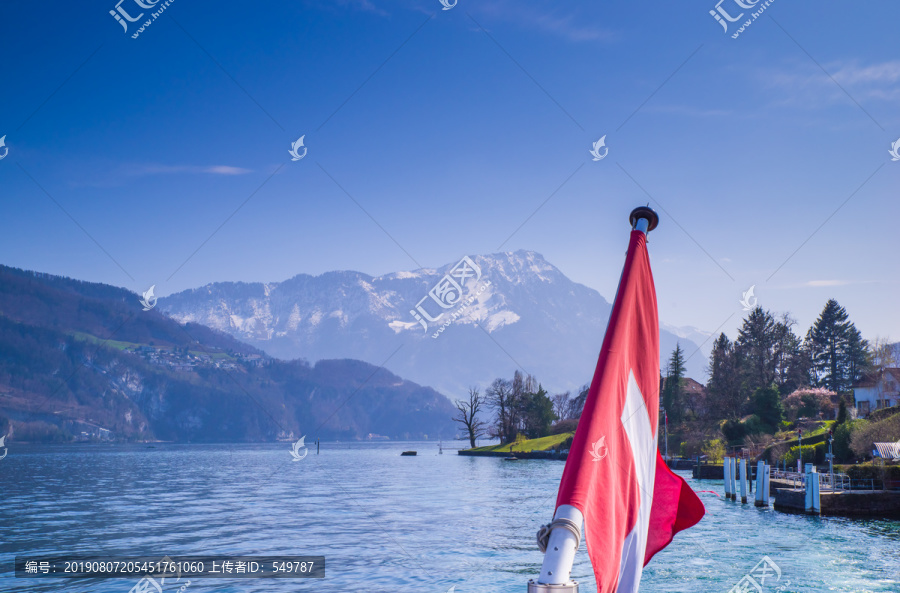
x=164 y=159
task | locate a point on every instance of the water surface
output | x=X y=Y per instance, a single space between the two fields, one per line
x=383 y=522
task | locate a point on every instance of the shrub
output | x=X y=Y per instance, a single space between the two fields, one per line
x=811 y=454
x=692 y=445
x=842 y=436
x=734 y=431
x=568 y=425
x=808 y=402
x=714 y=450
x=767 y=407
x=754 y=425
x=870 y=472
x=883 y=431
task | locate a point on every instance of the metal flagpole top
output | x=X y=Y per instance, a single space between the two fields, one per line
x=643 y=213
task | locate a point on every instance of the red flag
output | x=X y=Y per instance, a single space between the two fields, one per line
x=632 y=503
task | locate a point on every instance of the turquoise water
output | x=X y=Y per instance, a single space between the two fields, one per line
x=383 y=522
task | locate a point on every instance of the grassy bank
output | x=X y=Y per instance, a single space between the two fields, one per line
x=541 y=444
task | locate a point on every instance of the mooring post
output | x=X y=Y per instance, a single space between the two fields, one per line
x=733 y=477
x=812 y=490
x=725 y=474
x=817 y=500
x=743 y=481
x=760 y=478
x=807 y=488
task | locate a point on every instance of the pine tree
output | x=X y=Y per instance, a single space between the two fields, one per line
x=725 y=397
x=673 y=385
x=858 y=357
x=791 y=357
x=842 y=413
x=767 y=405
x=756 y=341
x=839 y=354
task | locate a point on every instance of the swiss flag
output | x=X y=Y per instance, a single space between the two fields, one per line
x=633 y=505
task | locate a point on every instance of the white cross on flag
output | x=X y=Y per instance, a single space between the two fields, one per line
x=633 y=505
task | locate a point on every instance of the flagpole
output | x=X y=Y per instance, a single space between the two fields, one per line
x=560 y=539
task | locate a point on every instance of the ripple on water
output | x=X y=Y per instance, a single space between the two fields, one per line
x=384 y=522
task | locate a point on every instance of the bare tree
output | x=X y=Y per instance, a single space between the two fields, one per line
x=500 y=399
x=576 y=404
x=883 y=358
x=467 y=415
x=561 y=404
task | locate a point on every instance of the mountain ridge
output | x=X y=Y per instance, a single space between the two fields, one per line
x=80 y=359
x=514 y=311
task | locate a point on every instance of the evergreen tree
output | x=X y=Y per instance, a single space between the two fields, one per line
x=537 y=414
x=858 y=357
x=838 y=352
x=725 y=397
x=842 y=414
x=672 y=388
x=756 y=340
x=791 y=357
x=767 y=405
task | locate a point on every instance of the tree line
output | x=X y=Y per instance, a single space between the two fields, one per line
x=753 y=374
x=519 y=406
x=771 y=376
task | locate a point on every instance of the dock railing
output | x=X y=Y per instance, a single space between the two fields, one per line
x=842 y=482
x=796 y=479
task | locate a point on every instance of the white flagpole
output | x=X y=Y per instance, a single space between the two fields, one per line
x=565 y=529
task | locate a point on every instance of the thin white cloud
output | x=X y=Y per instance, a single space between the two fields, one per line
x=818 y=283
x=156 y=169
x=226 y=170
x=805 y=84
x=553 y=19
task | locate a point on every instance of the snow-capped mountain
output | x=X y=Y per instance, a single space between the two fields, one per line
x=463 y=324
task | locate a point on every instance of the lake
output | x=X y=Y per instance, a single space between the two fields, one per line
x=383 y=522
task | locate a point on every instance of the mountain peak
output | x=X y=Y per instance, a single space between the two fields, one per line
x=516 y=311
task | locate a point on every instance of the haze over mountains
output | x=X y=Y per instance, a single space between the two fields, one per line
x=83 y=360
x=508 y=311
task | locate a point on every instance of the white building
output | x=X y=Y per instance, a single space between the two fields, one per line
x=875 y=394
